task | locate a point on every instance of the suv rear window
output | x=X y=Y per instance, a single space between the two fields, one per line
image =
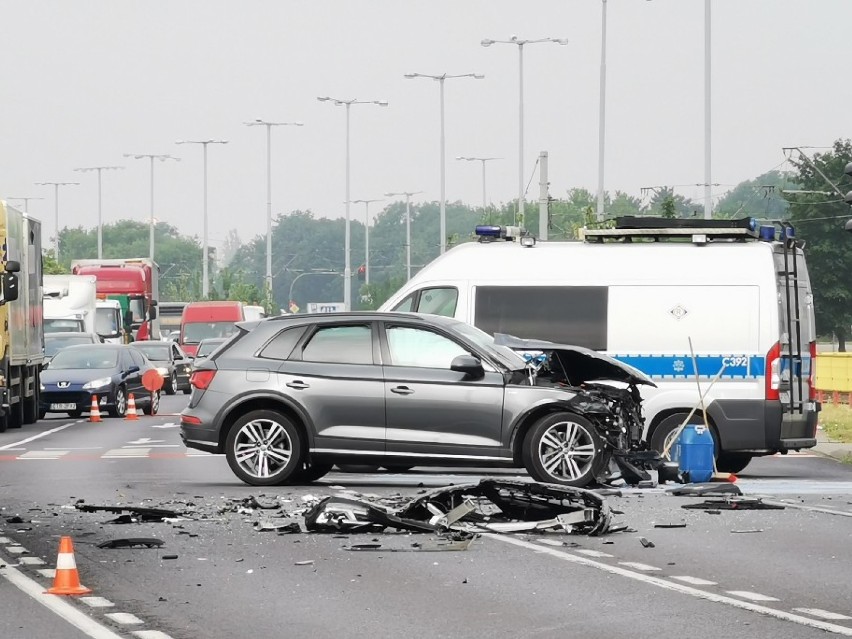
x=564 y=314
x=280 y=346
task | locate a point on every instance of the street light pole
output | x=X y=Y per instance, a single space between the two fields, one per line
x=56 y=186
x=269 y=126
x=602 y=115
x=347 y=268
x=520 y=44
x=205 y=280
x=26 y=201
x=407 y=195
x=483 y=160
x=99 y=169
x=441 y=78
x=366 y=204
x=301 y=275
x=151 y=157
x=708 y=193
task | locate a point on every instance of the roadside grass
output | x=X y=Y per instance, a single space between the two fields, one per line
x=836 y=421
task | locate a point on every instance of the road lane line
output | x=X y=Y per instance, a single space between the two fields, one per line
x=814 y=509
x=594 y=553
x=637 y=566
x=97 y=602
x=150 y=634
x=43 y=454
x=825 y=614
x=661 y=582
x=695 y=581
x=49 y=573
x=31 y=561
x=751 y=596
x=6 y=540
x=67 y=611
x=16 y=550
x=124 y=618
x=39 y=436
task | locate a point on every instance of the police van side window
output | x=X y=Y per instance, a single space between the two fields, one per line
x=434 y=301
x=565 y=314
x=438 y=301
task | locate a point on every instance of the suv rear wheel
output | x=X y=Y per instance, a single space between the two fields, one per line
x=563 y=448
x=264 y=448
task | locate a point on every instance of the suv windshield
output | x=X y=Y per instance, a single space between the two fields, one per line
x=194 y=332
x=84 y=358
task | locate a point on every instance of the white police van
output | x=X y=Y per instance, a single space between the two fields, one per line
x=640 y=292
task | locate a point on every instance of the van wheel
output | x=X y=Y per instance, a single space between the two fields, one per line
x=563 y=448
x=664 y=432
x=733 y=462
x=264 y=448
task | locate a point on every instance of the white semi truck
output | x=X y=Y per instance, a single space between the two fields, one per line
x=69 y=304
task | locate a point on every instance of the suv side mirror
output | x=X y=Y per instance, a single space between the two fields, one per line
x=469 y=365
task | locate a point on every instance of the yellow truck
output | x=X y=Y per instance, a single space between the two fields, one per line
x=21 y=330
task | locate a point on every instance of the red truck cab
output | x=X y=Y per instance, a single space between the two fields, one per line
x=203 y=320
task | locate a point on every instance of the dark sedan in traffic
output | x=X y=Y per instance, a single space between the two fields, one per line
x=109 y=372
x=173 y=363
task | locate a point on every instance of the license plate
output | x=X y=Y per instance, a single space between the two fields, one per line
x=63 y=407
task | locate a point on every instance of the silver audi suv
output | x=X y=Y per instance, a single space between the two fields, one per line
x=287 y=397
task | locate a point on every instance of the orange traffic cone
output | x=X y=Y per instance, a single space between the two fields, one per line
x=94 y=412
x=131 y=408
x=67 y=579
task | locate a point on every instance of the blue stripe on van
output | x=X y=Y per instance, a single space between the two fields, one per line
x=681 y=367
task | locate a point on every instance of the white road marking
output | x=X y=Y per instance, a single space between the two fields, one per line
x=16 y=550
x=116 y=453
x=152 y=446
x=97 y=602
x=124 y=618
x=82 y=448
x=814 y=509
x=661 y=582
x=43 y=454
x=695 y=581
x=35 y=437
x=60 y=606
x=751 y=596
x=550 y=542
x=594 y=553
x=824 y=614
x=146 y=440
x=6 y=540
x=169 y=425
x=637 y=566
x=50 y=573
x=31 y=561
x=150 y=634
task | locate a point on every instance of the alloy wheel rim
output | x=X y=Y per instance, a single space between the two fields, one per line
x=263 y=448
x=120 y=401
x=566 y=450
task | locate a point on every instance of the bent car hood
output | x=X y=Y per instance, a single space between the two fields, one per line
x=584 y=364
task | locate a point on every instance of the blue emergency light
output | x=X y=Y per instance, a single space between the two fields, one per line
x=767 y=233
x=485 y=230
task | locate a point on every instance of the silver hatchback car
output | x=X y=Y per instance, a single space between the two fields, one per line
x=287 y=397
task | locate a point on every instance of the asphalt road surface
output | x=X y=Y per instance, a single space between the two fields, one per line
x=764 y=573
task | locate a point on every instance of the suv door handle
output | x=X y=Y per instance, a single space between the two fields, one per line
x=298 y=384
x=402 y=390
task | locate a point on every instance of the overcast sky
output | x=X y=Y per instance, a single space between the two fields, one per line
x=83 y=82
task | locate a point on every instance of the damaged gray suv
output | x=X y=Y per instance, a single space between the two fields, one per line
x=287 y=397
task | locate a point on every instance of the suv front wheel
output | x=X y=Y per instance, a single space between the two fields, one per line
x=563 y=448
x=264 y=448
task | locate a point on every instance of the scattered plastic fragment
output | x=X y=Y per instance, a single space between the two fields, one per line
x=734 y=503
x=169 y=557
x=672 y=525
x=754 y=530
x=646 y=542
x=132 y=542
x=309 y=562
x=706 y=488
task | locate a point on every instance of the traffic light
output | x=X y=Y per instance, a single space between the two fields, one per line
x=362 y=272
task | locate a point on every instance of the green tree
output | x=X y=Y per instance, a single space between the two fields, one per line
x=819 y=221
x=761 y=197
x=50 y=266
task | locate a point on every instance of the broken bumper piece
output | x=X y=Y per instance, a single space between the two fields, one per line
x=492 y=505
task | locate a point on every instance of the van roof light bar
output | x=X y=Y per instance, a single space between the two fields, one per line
x=489 y=233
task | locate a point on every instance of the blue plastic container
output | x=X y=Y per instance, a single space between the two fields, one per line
x=694 y=450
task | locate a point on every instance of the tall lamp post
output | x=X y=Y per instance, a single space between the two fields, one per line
x=56 y=186
x=162 y=158
x=407 y=195
x=366 y=204
x=708 y=192
x=205 y=280
x=347 y=268
x=269 y=126
x=26 y=201
x=520 y=44
x=441 y=78
x=483 y=160
x=100 y=169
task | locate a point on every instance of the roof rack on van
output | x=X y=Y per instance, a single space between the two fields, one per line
x=699 y=231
